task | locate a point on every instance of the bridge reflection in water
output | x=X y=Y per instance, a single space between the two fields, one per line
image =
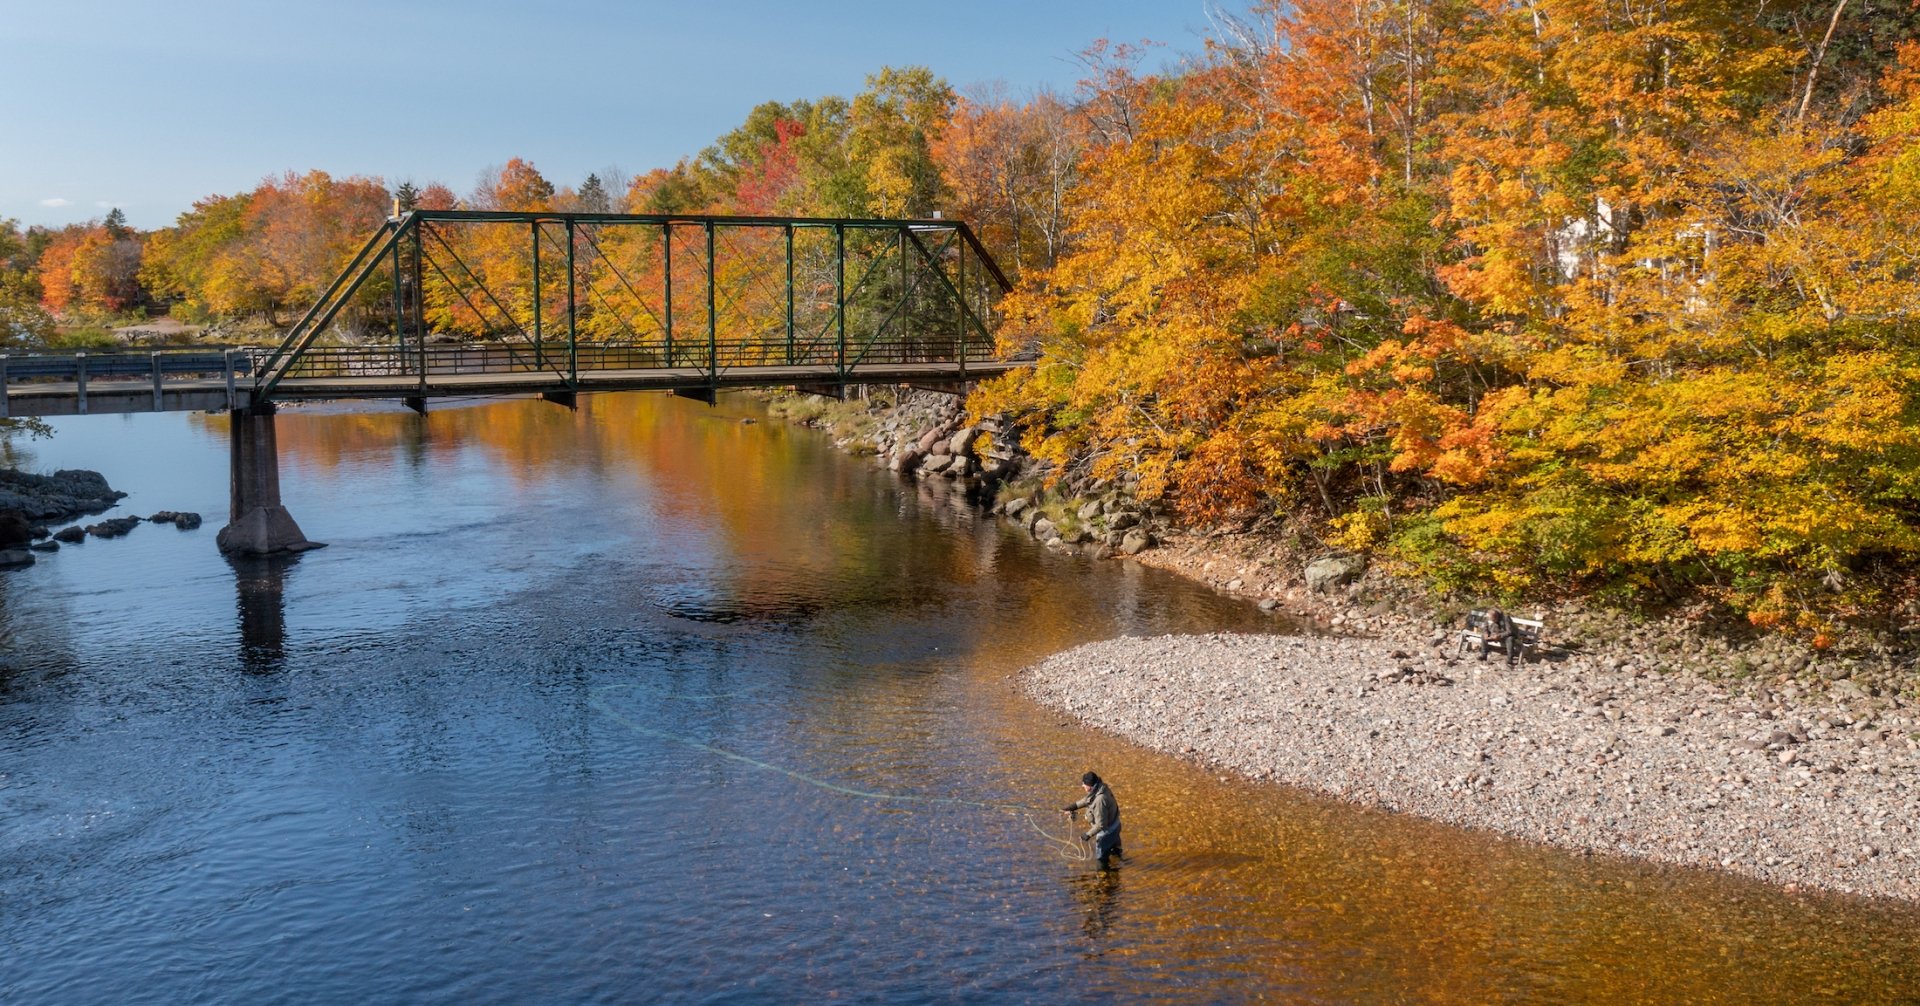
x=260 y=591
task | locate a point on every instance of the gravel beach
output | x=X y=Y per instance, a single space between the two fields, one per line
x=1798 y=788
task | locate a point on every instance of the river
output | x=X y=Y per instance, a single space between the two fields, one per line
x=649 y=702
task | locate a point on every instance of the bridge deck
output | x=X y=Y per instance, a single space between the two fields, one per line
x=107 y=395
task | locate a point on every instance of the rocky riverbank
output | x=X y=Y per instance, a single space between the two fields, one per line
x=1788 y=785
x=58 y=498
x=925 y=436
x=29 y=502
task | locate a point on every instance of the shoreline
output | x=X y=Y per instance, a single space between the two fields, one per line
x=1565 y=752
x=1671 y=740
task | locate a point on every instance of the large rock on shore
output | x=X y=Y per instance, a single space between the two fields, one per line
x=56 y=498
x=15 y=531
x=1334 y=571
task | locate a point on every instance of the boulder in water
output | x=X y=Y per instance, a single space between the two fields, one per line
x=181 y=519
x=113 y=528
x=62 y=496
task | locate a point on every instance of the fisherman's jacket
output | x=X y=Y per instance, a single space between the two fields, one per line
x=1103 y=811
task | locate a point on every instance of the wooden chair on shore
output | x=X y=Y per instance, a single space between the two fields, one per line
x=1523 y=634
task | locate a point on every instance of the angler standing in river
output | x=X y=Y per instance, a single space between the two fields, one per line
x=1103 y=818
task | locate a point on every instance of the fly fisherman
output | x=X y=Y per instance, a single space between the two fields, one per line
x=1103 y=818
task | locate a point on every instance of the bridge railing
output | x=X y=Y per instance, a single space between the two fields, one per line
x=109 y=364
x=345 y=363
x=156 y=371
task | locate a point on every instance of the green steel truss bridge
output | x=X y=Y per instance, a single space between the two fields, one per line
x=557 y=304
x=462 y=303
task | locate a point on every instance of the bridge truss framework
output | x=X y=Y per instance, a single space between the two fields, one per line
x=568 y=302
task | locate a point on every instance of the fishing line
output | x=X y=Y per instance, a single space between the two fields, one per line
x=702 y=696
x=1065 y=848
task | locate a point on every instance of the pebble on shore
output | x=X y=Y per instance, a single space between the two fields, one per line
x=1563 y=751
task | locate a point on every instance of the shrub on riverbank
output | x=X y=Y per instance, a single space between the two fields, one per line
x=851 y=421
x=84 y=337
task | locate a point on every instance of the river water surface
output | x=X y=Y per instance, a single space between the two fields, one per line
x=648 y=703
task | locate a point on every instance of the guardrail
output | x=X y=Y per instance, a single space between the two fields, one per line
x=568 y=365
x=235 y=366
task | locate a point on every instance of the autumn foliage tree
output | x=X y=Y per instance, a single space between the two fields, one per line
x=266 y=251
x=91 y=268
x=23 y=322
x=1570 y=295
x=1010 y=166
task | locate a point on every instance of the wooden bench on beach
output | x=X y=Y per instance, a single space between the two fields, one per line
x=1524 y=634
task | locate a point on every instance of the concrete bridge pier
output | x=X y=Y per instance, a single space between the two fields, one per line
x=258 y=524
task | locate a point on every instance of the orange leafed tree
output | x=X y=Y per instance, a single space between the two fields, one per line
x=1011 y=167
x=91 y=267
x=1562 y=295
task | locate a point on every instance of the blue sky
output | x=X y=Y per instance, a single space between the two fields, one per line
x=150 y=104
